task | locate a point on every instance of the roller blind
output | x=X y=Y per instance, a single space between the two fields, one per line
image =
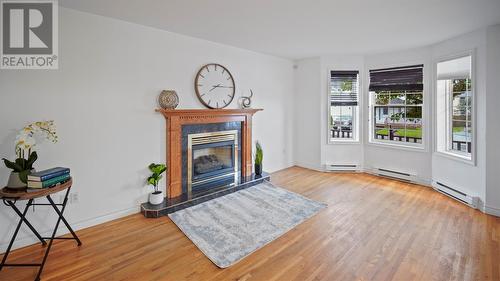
x=407 y=78
x=454 y=69
x=344 y=88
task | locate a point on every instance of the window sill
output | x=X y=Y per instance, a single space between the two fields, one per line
x=408 y=147
x=343 y=141
x=456 y=157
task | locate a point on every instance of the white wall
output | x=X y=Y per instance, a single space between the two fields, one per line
x=492 y=204
x=340 y=153
x=307 y=115
x=103 y=100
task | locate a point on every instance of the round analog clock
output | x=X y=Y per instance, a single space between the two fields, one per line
x=214 y=86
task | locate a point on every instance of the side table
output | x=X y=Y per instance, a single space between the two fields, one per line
x=10 y=197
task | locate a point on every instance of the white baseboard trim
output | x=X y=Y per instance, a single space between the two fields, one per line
x=424 y=182
x=318 y=168
x=490 y=210
x=416 y=180
x=362 y=169
x=31 y=239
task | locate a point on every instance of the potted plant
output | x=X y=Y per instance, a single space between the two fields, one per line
x=258 y=158
x=157 y=170
x=21 y=168
x=25 y=143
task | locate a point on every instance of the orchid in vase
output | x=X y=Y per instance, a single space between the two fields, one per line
x=25 y=151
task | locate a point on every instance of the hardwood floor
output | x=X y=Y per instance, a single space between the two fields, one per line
x=373 y=229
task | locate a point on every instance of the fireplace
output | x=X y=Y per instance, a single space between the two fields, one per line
x=212 y=160
x=180 y=123
x=208 y=153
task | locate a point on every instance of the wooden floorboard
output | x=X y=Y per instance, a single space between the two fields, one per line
x=373 y=229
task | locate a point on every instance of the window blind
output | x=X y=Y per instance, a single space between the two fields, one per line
x=407 y=78
x=344 y=88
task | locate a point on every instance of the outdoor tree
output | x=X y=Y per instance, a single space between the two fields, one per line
x=346 y=86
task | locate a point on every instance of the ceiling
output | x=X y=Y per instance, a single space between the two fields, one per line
x=297 y=29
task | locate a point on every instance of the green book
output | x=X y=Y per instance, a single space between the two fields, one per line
x=47 y=183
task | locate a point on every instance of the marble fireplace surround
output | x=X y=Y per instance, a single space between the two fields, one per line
x=177 y=120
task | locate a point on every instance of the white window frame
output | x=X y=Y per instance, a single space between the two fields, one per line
x=421 y=147
x=356 y=112
x=447 y=152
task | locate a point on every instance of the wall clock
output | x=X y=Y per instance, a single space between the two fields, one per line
x=214 y=86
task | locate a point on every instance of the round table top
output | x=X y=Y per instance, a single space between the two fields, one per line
x=22 y=194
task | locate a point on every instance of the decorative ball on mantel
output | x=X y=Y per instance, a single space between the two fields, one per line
x=168 y=99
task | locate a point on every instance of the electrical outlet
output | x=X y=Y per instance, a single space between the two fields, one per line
x=73 y=197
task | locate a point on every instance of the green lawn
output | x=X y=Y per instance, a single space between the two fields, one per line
x=412 y=133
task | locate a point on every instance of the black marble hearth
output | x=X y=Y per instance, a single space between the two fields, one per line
x=201 y=195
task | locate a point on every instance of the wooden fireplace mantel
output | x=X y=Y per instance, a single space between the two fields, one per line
x=176 y=118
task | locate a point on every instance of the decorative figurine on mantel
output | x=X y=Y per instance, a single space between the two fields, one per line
x=246 y=102
x=168 y=99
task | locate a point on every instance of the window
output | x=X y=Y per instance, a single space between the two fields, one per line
x=343 y=105
x=455 y=106
x=396 y=101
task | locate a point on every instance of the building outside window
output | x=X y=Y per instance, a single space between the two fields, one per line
x=455 y=107
x=396 y=102
x=343 y=106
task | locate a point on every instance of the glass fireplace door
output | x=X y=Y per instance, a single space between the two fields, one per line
x=212 y=159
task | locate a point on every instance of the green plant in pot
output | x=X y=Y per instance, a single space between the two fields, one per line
x=259 y=154
x=157 y=170
x=21 y=168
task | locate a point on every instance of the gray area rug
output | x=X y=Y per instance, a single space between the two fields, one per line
x=229 y=228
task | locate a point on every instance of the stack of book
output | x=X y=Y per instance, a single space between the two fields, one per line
x=48 y=178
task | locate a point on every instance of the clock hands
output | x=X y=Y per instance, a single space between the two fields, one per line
x=219 y=86
x=215 y=86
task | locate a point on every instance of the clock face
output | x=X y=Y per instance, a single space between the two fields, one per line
x=214 y=86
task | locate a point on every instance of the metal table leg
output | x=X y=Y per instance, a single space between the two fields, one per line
x=16 y=231
x=23 y=218
x=64 y=220
x=51 y=239
x=42 y=239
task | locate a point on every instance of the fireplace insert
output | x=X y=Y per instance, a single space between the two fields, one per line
x=212 y=159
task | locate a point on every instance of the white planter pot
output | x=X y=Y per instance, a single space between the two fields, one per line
x=156 y=198
x=15 y=181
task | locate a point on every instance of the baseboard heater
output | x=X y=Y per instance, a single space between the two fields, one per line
x=453 y=193
x=342 y=168
x=407 y=177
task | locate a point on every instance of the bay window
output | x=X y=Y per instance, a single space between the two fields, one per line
x=396 y=103
x=343 y=106
x=454 y=107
